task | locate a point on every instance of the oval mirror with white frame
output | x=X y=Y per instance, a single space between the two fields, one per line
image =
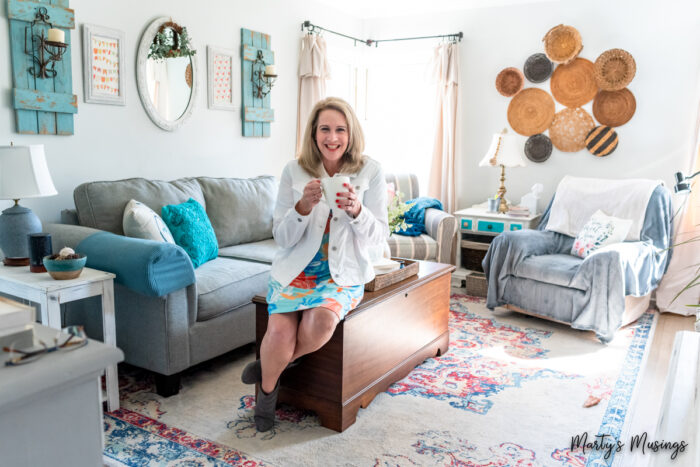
x=166 y=77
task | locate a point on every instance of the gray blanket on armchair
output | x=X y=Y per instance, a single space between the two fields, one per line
x=587 y=293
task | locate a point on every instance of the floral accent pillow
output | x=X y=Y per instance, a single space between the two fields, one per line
x=599 y=231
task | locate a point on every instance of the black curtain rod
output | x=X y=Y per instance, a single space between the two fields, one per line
x=311 y=28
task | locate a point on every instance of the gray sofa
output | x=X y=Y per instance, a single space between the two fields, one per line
x=206 y=318
x=170 y=316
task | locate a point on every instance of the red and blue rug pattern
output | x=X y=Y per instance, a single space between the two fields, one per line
x=508 y=392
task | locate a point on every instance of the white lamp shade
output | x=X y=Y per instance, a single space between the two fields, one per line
x=506 y=150
x=24 y=173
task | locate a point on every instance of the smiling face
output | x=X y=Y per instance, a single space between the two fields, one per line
x=332 y=137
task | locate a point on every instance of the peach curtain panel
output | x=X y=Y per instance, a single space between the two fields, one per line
x=313 y=72
x=685 y=260
x=441 y=184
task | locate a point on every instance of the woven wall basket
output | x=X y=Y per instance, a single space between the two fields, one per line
x=614 y=108
x=538 y=148
x=614 y=69
x=601 y=141
x=574 y=84
x=562 y=43
x=569 y=129
x=538 y=68
x=531 y=111
x=509 y=81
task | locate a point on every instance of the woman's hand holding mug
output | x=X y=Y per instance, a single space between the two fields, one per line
x=310 y=197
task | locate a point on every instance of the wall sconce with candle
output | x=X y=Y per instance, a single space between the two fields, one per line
x=40 y=53
x=45 y=51
x=263 y=76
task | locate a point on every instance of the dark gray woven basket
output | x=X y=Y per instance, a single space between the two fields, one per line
x=538 y=148
x=538 y=68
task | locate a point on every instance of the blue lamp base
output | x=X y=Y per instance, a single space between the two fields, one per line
x=16 y=223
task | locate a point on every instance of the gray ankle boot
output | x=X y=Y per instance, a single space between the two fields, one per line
x=252 y=373
x=265 y=406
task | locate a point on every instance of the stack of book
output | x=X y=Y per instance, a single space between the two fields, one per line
x=518 y=211
x=16 y=324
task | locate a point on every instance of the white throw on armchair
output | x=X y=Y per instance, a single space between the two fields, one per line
x=437 y=244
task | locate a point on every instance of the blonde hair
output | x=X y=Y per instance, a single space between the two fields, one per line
x=310 y=158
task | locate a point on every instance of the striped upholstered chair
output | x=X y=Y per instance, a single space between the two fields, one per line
x=441 y=227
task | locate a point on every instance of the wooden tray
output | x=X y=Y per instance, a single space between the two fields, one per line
x=410 y=268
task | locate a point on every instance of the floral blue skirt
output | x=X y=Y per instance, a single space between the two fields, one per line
x=314 y=287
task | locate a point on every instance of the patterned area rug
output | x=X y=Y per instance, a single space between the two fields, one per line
x=510 y=391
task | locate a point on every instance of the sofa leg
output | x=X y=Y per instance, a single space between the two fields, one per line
x=167 y=385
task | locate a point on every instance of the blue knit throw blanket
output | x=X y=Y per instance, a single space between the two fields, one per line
x=415 y=216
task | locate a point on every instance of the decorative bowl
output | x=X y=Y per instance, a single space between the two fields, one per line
x=63 y=269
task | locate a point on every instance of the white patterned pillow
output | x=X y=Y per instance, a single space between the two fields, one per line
x=599 y=231
x=140 y=221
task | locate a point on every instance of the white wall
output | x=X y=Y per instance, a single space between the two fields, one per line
x=113 y=142
x=663 y=37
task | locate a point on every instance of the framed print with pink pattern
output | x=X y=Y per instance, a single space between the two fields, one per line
x=221 y=80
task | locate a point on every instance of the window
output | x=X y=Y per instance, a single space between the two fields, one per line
x=391 y=90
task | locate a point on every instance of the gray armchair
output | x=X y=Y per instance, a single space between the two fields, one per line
x=533 y=272
x=438 y=243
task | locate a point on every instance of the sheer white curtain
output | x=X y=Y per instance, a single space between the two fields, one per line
x=442 y=173
x=685 y=260
x=313 y=72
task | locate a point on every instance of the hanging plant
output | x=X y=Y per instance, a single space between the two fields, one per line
x=171 y=41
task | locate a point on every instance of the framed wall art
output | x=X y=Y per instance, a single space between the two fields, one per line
x=103 y=65
x=221 y=80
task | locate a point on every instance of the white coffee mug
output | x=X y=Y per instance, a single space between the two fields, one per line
x=331 y=186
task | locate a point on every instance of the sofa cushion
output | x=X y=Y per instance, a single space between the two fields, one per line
x=151 y=268
x=263 y=251
x=557 y=269
x=140 y=221
x=100 y=205
x=422 y=247
x=240 y=209
x=191 y=229
x=225 y=283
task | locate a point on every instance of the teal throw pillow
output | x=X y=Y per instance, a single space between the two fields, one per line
x=191 y=229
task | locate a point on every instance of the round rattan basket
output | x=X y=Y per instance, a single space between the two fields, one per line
x=574 y=84
x=601 y=141
x=569 y=129
x=562 y=43
x=614 y=108
x=509 y=81
x=614 y=69
x=531 y=111
x=538 y=68
x=538 y=148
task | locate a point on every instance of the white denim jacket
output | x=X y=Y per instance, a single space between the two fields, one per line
x=350 y=238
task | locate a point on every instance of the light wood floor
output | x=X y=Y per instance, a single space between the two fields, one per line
x=645 y=411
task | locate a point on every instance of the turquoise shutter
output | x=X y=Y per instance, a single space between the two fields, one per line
x=42 y=105
x=256 y=113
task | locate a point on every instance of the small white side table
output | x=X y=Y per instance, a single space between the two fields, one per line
x=50 y=293
x=478 y=227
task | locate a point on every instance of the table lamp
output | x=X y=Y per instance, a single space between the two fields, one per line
x=23 y=174
x=507 y=151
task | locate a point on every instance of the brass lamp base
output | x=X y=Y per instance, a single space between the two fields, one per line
x=503 y=206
